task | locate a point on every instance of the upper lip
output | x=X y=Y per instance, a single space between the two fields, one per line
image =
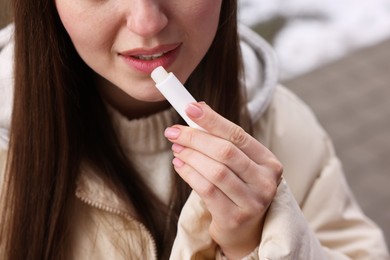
x=151 y=51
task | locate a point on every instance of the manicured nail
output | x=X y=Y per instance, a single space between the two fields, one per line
x=177 y=148
x=177 y=162
x=194 y=111
x=172 y=132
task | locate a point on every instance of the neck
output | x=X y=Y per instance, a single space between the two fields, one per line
x=125 y=104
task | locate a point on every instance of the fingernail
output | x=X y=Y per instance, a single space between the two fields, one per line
x=177 y=148
x=172 y=132
x=177 y=162
x=194 y=111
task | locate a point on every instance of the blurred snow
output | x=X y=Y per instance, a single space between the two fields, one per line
x=319 y=31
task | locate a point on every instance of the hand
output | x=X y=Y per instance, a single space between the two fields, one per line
x=234 y=174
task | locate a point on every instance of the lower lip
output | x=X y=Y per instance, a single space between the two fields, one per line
x=147 y=66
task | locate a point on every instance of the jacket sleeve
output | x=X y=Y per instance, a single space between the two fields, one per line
x=330 y=225
x=337 y=220
x=314 y=214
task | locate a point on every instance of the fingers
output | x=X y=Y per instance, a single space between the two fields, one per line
x=221 y=164
x=213 y=147
x=227 y=143
x=226 y=156
x=214 y=173
x=219 y=126
x=223 y=193
x=215 y=199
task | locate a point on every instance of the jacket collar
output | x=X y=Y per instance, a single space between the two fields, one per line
x=96 y=192
x=260 y=71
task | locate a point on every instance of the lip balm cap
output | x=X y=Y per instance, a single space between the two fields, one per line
x=159 y=74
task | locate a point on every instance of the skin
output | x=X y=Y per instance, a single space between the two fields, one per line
x=100 y=29
x=238 y=191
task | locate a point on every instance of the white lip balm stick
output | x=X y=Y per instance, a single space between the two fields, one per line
x=176 y=94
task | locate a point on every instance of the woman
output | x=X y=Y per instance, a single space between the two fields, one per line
x=88 y=170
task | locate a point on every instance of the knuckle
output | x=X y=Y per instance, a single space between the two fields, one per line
x=212 y=120
x=238 y=136
x=208 y=190
x=268 y=193
x=262 y=198
x=275 y=166
x=258 y=203
x=227 y=152
x=219 y=173
x=240 y=217
x=191 y=136
x=248 y=164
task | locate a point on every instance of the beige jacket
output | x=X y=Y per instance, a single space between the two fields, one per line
x=313 y=216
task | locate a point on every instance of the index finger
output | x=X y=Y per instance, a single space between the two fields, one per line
x=217 y=125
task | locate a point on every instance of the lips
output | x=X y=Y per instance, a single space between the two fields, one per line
x=146 y=60
x=151 y=51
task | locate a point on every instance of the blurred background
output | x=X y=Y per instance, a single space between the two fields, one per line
x=335 y=54
x=4 y=12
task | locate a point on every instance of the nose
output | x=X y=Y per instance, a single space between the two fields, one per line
x=146 y=18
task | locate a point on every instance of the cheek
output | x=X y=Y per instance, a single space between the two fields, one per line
x=200 y=19
x=207 y=19
x=85 y=26
x=70 y=18
x=205 y=13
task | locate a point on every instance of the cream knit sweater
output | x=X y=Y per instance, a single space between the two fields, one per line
x=149 y=151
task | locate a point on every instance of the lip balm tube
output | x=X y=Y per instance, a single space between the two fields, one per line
x=176 y=94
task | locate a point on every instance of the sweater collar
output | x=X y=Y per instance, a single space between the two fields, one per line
x=144 y=135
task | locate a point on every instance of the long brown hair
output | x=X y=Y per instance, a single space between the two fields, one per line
x=57 y=117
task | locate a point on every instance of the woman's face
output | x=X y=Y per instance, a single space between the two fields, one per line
x=124 y=40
